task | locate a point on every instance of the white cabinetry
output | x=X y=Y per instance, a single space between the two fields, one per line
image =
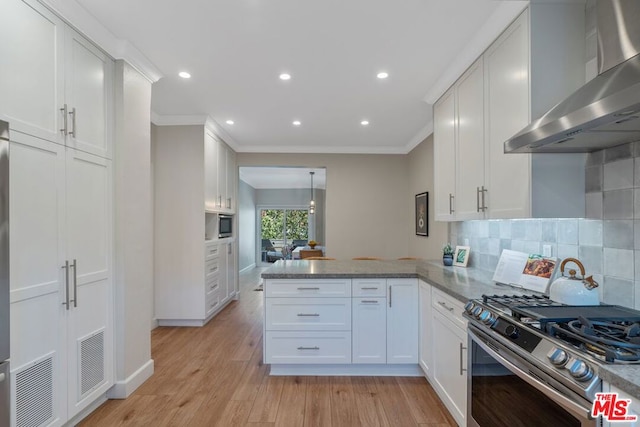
x=450 y=359
x=190 y=288
x=632 y=409
x=517 y=79
x=402 y=321
x=359 y=321
x=54 y=84
x=426 y=334
x=220 y=176
x=61 y=280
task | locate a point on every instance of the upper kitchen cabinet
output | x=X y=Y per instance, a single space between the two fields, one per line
x=534 y=64
x=220 y=176
x=54 y=84
x=444 y=165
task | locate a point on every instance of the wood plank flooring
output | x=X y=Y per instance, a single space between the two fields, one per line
x=214 y=376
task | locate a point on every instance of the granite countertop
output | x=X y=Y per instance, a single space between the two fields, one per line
x=461 y=283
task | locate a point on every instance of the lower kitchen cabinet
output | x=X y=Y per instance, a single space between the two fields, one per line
x=341 y=321
x=450 y=354
x=426 y=334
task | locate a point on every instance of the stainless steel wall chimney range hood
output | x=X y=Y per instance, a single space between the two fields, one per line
x=604 y=112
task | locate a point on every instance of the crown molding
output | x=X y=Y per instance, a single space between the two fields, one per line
x=86 y=24
x=419 y=137
x=195 y=120
x=320 y=149
x=504 y=14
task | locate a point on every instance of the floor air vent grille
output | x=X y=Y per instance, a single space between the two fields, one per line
x=34 y=394
x=92 y=362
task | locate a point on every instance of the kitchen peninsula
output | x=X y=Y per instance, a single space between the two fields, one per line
x=382 y=318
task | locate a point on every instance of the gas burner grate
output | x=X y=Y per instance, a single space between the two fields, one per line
x=510 y=301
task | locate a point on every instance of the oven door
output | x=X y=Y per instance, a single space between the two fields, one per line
x=505 y=390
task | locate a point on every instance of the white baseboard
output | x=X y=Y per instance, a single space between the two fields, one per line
x=182 y=322
x=88 y=410
x=123 y=389
x=363 y=370
x=154 y=323
x=250 y=267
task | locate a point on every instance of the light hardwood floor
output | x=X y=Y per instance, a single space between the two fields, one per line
x=214 y=376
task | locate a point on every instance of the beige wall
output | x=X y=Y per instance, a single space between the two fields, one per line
x=369 y=200
x=420 y=167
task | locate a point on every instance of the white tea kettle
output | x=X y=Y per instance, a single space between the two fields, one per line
x=574 y=290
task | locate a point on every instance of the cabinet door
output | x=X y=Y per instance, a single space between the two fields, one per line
x=210 y=172
x=88 y=219
x=369 y=338
x=444 y=154
x=222 y=175
x=402 y=321
x=426 y=337
x=450 y=365
x=88 y=77
x=231 y=180
x=31 y=75
x=507 y=90
x=37 y=285
x=470 y=148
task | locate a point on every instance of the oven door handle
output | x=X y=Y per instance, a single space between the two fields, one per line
x=568 y=404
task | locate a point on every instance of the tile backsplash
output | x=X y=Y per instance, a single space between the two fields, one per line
x=607 y=241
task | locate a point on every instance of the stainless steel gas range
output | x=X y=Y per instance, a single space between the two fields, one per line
x=534 y=362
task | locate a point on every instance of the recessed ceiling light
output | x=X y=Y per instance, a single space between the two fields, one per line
x=184 y=75
x=364 y=122
x=382 y=75
x=230 y=122
x=285 y=76
x=297 y=123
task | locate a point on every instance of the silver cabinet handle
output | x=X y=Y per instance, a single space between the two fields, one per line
x=308 y=315
x=74 y=265
x=229 y=248
x=66 y=284
x=64 y=119
x=484 y=206
x=390 y=287
x=309 y=348
x=451 y=210
x=477 y=199
x=219 y=201
x=229 y=203
x=462 y=368
x=308 y=289
x=445 y=305
x=369 y=289
x=72 y=113
x=364 y=301
x=2 y=377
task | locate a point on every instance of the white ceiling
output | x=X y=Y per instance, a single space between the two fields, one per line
x=283 y=177
x=235 y=50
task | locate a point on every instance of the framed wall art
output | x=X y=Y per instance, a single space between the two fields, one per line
x=422 y=214
x=461 y=256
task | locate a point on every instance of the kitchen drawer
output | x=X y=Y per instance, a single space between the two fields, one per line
x=449 y=306
x=211 y=250
x=322 y=288
x=369 y=287
x=212 y=301
x=308 y=347
x=212 y=283
x=211 y=268
x=308 y=314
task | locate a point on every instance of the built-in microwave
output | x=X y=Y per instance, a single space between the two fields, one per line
x=225 y=226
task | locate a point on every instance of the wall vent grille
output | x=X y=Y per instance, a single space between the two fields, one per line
x=91 y=362
x=34 y=394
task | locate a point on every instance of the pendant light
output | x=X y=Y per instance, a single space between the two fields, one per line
x=312 y=203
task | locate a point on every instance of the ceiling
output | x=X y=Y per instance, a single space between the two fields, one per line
x=283 y=177
x=236 y=49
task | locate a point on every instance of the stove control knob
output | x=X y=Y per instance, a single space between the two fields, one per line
x=469 y=307
x=487 y=317
x=580 y=370
x=558 y=357
x=476 y=312
x=511 y=332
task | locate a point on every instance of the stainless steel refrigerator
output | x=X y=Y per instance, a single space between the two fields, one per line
x=5 y=384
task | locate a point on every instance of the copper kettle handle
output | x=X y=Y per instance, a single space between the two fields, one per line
x=574 y=260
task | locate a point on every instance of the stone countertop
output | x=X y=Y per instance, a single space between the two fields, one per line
x=461 y=283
